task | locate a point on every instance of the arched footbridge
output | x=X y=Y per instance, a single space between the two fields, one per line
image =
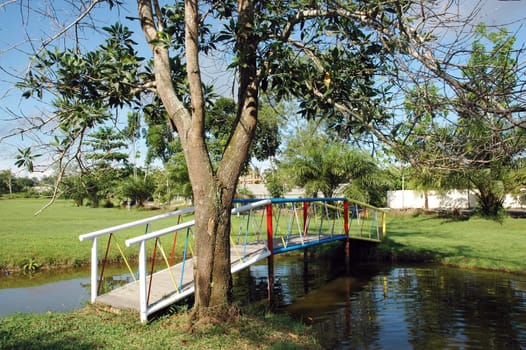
x=163 y=272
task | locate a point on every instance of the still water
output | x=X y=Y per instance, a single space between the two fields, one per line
x=45 y=291
x=402 y=307
x=370 y=307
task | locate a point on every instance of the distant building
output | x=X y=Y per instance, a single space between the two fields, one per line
x=452 y=199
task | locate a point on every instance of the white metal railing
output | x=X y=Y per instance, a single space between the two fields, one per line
x=141 y=240
x=96 y=234
x=145 y=309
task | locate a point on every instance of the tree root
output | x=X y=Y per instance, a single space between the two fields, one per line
x=205 y=317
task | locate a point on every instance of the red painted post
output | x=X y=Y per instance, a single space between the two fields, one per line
x=347 y=241
x=104 y=263
x=346 y=217
x=151 y=271
x=172 y=253
x=270 y=260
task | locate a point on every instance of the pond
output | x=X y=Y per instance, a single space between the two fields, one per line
x=399 y=306
x=372 y=306
x=44 y=291
x=419 y=307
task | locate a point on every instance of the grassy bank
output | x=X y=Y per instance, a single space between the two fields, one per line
x=474 y=243
x=90 y=328
x=51 y=238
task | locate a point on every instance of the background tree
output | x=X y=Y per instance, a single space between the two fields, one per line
x=6 y=182
x=369 y=182
x=105 y=165
x=75 y=188
x=493 y=144
x=137 y=189
x=177 y=174
x=482 y=149
x=133 y=133
x=317 y=162
x=275 y=182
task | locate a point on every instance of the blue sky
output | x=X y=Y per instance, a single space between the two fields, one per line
x=14 y=60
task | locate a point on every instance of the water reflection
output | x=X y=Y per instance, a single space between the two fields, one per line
x=51 y=291
x=56 y=296
x=418 y=307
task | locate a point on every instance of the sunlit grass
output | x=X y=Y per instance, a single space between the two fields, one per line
x=473 y=243
x=90 y=328
x=52 y=237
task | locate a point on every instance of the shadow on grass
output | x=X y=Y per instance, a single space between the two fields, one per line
x=394 y=251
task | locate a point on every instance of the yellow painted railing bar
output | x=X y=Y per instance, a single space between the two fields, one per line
x=235 y=249
x=366 y=205
x=296 y=216
x=125 y=260
x=191 y=249
x=167 y=265
x=283 y=241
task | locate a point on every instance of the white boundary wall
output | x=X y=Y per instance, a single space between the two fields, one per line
x=260 y=191
x=462 y=199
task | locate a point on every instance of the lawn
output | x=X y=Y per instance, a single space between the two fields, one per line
x=91 y=328
x=51 y=238
x=473 y=243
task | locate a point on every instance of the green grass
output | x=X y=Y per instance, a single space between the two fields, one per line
x=91 y=328
x=474 y=243
x=51 y=238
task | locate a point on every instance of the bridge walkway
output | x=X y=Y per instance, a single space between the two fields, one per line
x=165 y=291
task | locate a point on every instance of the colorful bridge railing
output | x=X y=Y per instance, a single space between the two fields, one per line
x=367 y=221
x=111 y=234
x=305 y=219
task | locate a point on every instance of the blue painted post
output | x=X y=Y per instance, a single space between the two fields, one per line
x=305 y=218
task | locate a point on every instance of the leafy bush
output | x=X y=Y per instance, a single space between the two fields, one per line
x=138 y=190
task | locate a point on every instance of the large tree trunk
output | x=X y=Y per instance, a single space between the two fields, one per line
x=213 y=190
x=212 y=250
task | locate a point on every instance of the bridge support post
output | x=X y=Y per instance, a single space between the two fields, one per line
x=305 y=270
x=270 y=259
x=347 y=241
x=94 y=270
x=347 y=255
x=270 y=266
